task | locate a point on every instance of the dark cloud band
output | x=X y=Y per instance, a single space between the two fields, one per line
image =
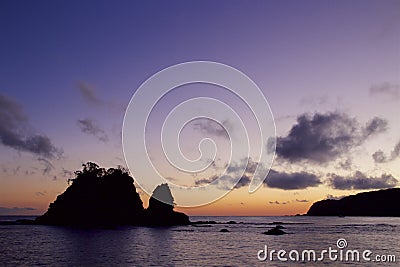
x=322 y=138
x=360 y=181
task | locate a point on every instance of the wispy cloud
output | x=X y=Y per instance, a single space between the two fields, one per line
x=89 y=126
x=66 y=173
x=16 y=133
x=91 y=97
x=302 y=200
x=88 y=93
x=276 y=202
x=213 y=128
x=386 y=89
x=47 y=166
x=41 y=194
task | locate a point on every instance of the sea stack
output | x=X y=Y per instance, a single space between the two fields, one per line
x=98 y=197
x=161 y=209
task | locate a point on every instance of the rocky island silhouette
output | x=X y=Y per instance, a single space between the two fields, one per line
x=100 y=198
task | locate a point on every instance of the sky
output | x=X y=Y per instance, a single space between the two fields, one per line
x=330 y=71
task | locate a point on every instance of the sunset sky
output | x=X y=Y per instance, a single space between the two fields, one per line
x=330 y=71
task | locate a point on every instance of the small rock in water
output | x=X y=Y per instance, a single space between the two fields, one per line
x=275 y=231
x=224 y=230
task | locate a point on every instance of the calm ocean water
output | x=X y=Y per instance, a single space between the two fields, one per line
x=204 y=245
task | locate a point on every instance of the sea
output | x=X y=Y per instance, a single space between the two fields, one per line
x=335 y=241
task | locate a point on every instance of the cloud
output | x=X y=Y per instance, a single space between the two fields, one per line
x=298 y=180
x=380 y=157
x=302 y=200
x=360 y=181
x=291 y=181
x=13 y=171
x=275 y=179
x=246 y=164
x=346 y=164
x=276 y=202
x=47 y=165
x=213 y=128
x=28 y=172
x=16 y=133
x=386 y=89
x=14 y=210
x=374 y=126
x=205 y=181
x=40 y=194
x=89 y=94
x=232 y=171
x=89 y=126
x=224 y=181
x=329 y=196
x=396 y=151
x=243 y=181
x=325 y=137
x=66 y=173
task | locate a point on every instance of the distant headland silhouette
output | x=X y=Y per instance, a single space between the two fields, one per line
x=375 y=203
x=100 y=197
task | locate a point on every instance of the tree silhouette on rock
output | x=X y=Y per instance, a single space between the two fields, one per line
x=100 y=197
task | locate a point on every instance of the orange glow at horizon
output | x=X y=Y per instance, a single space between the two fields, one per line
x=239 y=202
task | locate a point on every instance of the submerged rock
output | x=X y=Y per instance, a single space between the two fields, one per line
x=224 y=230
x=275 y=231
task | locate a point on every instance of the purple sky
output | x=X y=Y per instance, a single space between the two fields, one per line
x=71 y=67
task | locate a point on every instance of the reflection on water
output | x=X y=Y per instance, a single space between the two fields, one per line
x=195 y=246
